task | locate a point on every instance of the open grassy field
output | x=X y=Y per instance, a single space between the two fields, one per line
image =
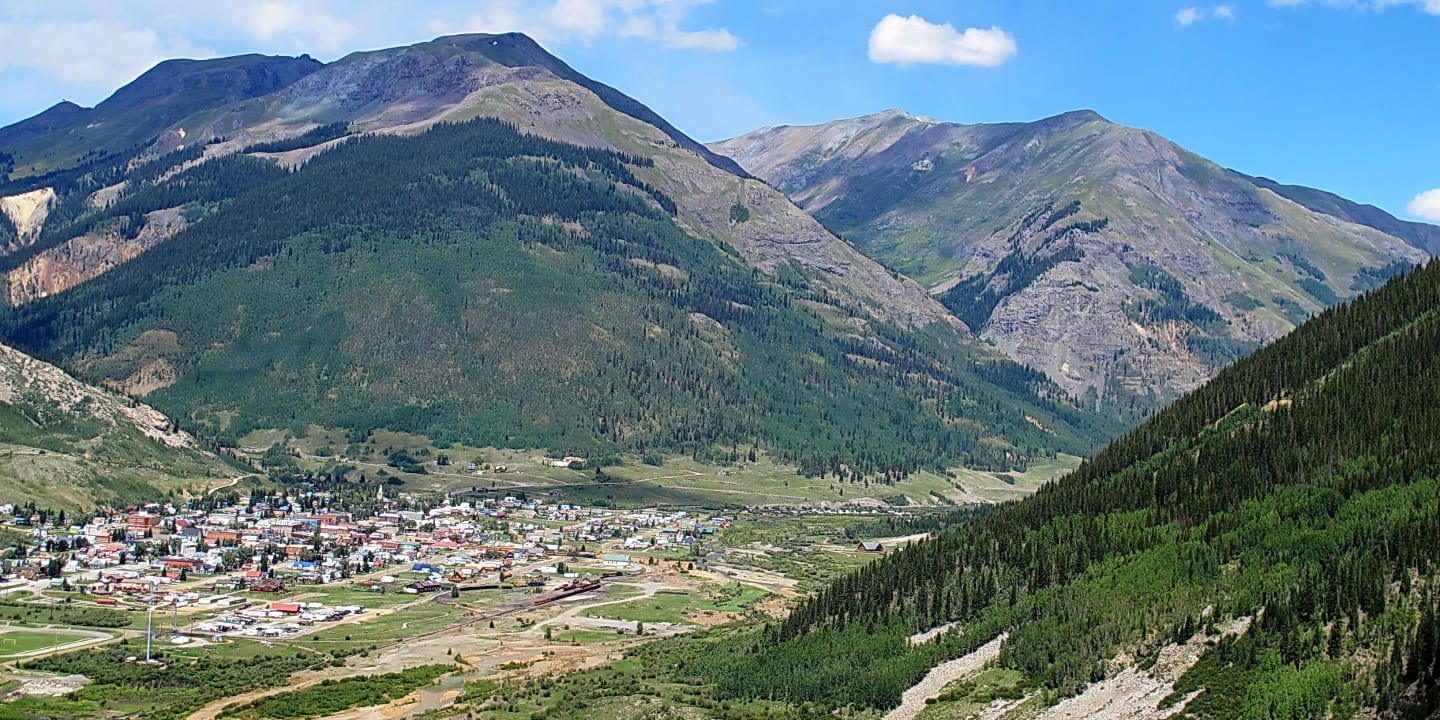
x=18 y=642
x=679 y=481
x=333 y=596
x=665 y=606
x=674 y=606
x=586 y=636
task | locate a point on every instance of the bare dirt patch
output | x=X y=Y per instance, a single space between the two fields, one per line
x=912 y=702
x=1134 y=694
x=151 y=376
x=27 y=212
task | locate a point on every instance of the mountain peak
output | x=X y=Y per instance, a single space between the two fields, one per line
x=1066 y=120
x=512 y=49
x=424 y=81
x=887 y=116
x=144 y=109
x=1081 y=115
x=893 y=113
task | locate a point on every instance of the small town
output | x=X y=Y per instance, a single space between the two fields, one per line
x=179 y=557
x=507 y=583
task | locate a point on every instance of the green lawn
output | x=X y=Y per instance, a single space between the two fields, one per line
x=739 y=602
x=585 y=636
x=16 y=642
x=382 y=630
x=663 y=607
x=336 y=595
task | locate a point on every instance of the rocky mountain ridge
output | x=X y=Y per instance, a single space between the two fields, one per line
x=45 y=394
x=1125 y=267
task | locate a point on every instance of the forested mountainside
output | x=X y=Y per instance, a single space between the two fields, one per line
x=476 y=283
x=1293 y=501
x=356 y=249
x=67 y=444
x=1125 y=267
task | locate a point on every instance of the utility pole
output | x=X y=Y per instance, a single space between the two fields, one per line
x=149 y=624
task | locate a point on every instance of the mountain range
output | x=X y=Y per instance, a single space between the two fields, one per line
x=468 y=240
x=1125 y=267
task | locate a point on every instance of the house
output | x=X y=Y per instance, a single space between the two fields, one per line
x=617 y=561
x=142 y=524
x=870 y=546
x=422 y=586
x=186 y=564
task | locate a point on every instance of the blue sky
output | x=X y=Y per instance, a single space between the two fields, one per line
x=1342 y=95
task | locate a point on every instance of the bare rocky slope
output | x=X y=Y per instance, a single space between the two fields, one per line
x=1125 y=267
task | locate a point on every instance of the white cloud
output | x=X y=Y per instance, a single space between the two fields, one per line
x=1190 y=15
x=710 y=40
x=86 y=46
x=562 y=21
x=1430 y=6
x=914 y=40
x=1426 y=205
x=94 y=53
x=289 y=24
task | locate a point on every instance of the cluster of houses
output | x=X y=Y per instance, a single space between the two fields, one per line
x=267 y=542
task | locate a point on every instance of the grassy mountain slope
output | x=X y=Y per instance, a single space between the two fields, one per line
x=67 y=444
x=1421 y=235
x=473 y=283
x=1295 y=495
x=1110 y=258
x=142 y=112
